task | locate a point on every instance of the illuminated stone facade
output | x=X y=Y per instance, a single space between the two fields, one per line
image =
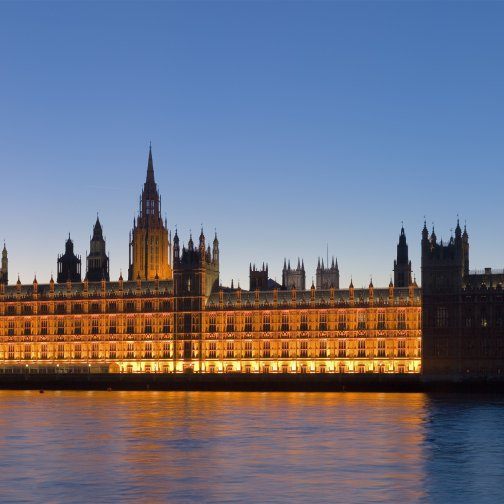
x=134 y=327
x=172 y=315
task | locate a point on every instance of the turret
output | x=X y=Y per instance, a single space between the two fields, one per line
x=176 y=247
x=294 y=277
x=69 y=265
x=402 y=265
x=97 y=260
x=258 y=277
x=4 y=270
x=215 y=251
x=327 y=276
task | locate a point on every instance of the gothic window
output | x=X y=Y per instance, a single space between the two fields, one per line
x=212 y=350
x=323 y=349
x=43 y=328
x=441 y=317
x=78 y=326
x=266 y=322
x=381 y=348
x=401 y=320
x=341 y=322
x=248 y=349
x=266 y=349
x=230 y=326
x=166 y=350
x=401 y=348
x=285 y=321
x=303 y=349
x=285 y=349
x=166 y=325
x=61 y=326
x=381 y=320
x=61 y=351
x=361 y=349
x=94 y=351
x=148 y=350
x=27 y=327
x=342 y=348
x=78 y=351
x=130 y=352
x=10 y=353
x=27 y=352
x=112 y=326
x=230 y=349
x=212 y=326
x=94 y=326
x=361 y=320
x=130 y=326
x=323 y=322
x=248 y=322
x=148 y=325
x=112 y=351
x=10 y=330
x=43 y=351
x=304 y=322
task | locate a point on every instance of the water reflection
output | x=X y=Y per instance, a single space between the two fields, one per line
x=263 y=447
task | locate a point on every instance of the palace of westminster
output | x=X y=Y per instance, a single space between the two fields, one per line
x=172 y=315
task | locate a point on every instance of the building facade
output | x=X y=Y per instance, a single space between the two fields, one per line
x=173 y=316
x=189 y=324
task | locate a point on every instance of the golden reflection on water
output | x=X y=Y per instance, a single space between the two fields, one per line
x=212 y=446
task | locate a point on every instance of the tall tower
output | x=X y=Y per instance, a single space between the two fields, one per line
x=150 y=247
x=195 y=276
x=4 y=270
x=69 y=265
x=97 y=260
x=444 y=270
x=402 y=266
x=327 y=277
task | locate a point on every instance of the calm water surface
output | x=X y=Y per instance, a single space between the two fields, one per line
x=250 y=447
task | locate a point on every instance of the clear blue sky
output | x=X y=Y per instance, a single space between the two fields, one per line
x=285 y=125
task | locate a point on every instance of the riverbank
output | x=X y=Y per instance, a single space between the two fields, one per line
x=244 y=382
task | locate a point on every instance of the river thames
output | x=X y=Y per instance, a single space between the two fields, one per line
x=250 y=447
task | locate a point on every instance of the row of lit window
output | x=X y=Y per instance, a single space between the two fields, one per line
x=190 y=350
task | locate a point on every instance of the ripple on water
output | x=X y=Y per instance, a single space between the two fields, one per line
x=246 y=447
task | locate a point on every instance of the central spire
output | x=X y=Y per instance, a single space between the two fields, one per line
x=150 y=168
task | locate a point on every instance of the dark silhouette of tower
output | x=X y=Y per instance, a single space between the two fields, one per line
x=69 y=265
x=402 y=265
x=97 y=260
x=294 y=277
x=4 y=270
x=150 y=248
x=445 y=267
x=258 y=277
x=327 y=277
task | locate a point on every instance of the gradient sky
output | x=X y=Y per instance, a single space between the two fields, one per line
x=288 y=126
